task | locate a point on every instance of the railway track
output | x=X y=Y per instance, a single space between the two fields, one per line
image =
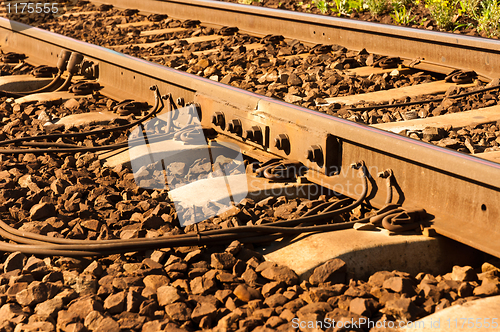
x=331 y=76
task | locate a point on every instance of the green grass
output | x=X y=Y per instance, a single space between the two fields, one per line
x=322 y=5
x=401 y=15
x=448 y=15
x=489 y=18
x=377 y=7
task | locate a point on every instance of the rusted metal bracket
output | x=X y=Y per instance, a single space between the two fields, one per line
x=12 y=57
x=413 y=63
x=259 y=128
x=460 y=76
x=89 y=69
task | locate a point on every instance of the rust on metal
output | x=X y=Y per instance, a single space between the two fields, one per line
x=441 y=50
x=461 y=192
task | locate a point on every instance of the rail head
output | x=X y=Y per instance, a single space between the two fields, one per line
x=443 y=50
x=118 y=71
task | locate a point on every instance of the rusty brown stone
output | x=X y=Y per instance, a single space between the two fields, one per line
x=15 y=261
x=49 y=307
x=402 y=308
x=204 y=284
x=275 y=300
x=400 y=285
x=204 y=310
x=82 y=306
x=280 y=274
x=246 y=293
x=41 y=211
x=333 y=271
x=167 y=295
x=488 y=287
x=178 y=311
x=463 y=273
x=115 y=303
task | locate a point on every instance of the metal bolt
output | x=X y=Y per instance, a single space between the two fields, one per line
x=218 y=119
x=234 y=126
x=196 y=108
x=282 y=142
x=254 y=134
x=385 y=174
x=314 y=154
x=310 y=154
x=358 y=165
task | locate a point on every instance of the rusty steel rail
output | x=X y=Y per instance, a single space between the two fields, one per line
x=460 y=191
x=437 y=51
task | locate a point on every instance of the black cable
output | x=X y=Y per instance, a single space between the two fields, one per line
x=64 y=56
x=55 y=250
x=64 y=148
x=328 y=206
x=280 y=226
x=66 y=84
x=42 y=244
x=156 y=108
x=231 y=234
x=50 y=144
x=72 y=148
x=410 y=103
x=12 y=94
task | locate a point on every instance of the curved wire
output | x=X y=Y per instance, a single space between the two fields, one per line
x=64 y=56
x=419 y=102
x=74 y=149
x=96 y=247
x=51 y=84
x=158 y=106
x=42 y=244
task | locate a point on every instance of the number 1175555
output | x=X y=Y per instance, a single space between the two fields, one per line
x=30 y=8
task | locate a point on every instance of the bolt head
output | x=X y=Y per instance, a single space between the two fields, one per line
x=281 y=142
x=310 y=155
x=314 y=154
x=234 y=126
x=256 y=134
x=218 y=118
